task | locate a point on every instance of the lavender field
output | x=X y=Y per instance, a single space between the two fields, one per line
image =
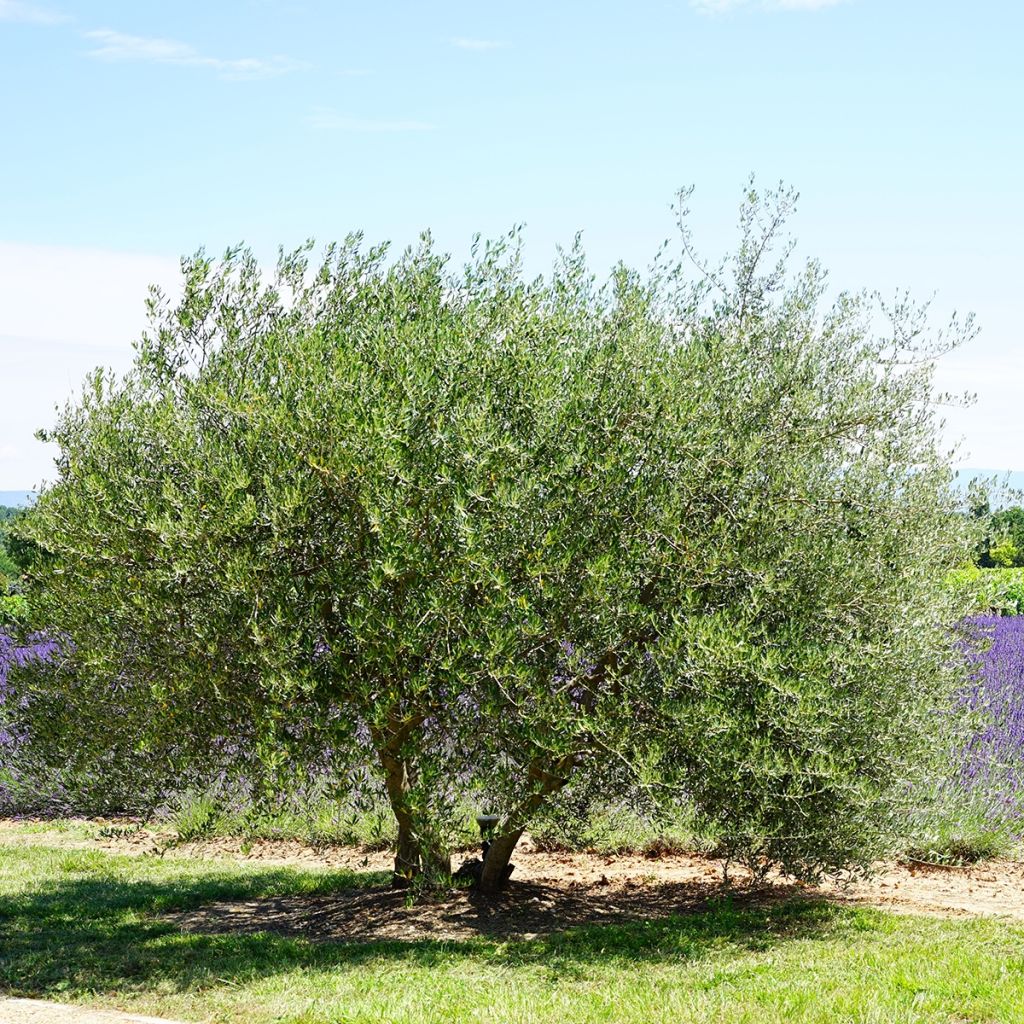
x=987 y=777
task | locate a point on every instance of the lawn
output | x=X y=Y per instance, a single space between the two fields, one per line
x=86 y=926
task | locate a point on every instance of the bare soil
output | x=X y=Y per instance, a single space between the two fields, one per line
x=552 y=892
x=549 y=891
x=34 y=1011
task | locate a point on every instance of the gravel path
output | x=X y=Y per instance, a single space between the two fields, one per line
x=32 y=1011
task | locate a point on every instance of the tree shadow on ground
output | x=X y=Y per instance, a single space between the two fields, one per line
x=523 y=910
x=86 y=935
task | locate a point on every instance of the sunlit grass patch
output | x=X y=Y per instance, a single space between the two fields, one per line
x=86 y=926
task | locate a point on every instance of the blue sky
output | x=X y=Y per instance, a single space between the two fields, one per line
x=135 y=132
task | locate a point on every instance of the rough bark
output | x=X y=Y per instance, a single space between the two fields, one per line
x=407 y=850
x=435 y=864
x=494 y=873
x=414 y=855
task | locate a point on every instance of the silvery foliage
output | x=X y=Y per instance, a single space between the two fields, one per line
x=477 y=535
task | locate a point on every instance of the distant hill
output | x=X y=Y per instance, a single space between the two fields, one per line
x=16 y=499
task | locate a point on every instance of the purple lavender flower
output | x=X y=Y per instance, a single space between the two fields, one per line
x=994 y=756
x=39 y=649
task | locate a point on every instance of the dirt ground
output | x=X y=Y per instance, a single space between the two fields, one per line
x=34 y=1011
x=549 y=892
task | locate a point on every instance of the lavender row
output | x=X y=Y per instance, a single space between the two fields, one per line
x=995 y=753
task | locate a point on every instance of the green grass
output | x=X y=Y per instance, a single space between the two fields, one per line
x=70 y=828
x=83 y=926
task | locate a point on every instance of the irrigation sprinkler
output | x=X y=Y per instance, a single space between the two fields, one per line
x=487 y=823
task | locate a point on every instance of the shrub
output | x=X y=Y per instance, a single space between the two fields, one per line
x=988 y=591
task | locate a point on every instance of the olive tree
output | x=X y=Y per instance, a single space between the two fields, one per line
x=483 y=534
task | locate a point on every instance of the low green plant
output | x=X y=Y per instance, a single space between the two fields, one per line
x=14 y=608
x=584 y=818
x=998 y=591
x=954 y=823
x=318 y=820
x=194 y=816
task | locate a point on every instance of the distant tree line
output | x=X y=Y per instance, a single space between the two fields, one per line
x=13 y=606
x=1001 y=544
x=8 y=567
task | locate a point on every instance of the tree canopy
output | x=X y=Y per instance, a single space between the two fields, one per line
x=1002 y=545
x=478 y=535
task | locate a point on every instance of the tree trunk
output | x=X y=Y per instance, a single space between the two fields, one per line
x=414 y=853
x=436 y=864
x=495 y=871
x=407 y=852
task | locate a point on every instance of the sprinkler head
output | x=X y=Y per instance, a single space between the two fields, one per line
x=487 y=822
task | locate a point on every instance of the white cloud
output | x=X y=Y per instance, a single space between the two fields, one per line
x=466 y=43
x=63 y=311
x=330 y=120
x=118 y=46
x=723 y=6
x=804 y=5
x=93 y=297
x=15 y=10
x=38 y=377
